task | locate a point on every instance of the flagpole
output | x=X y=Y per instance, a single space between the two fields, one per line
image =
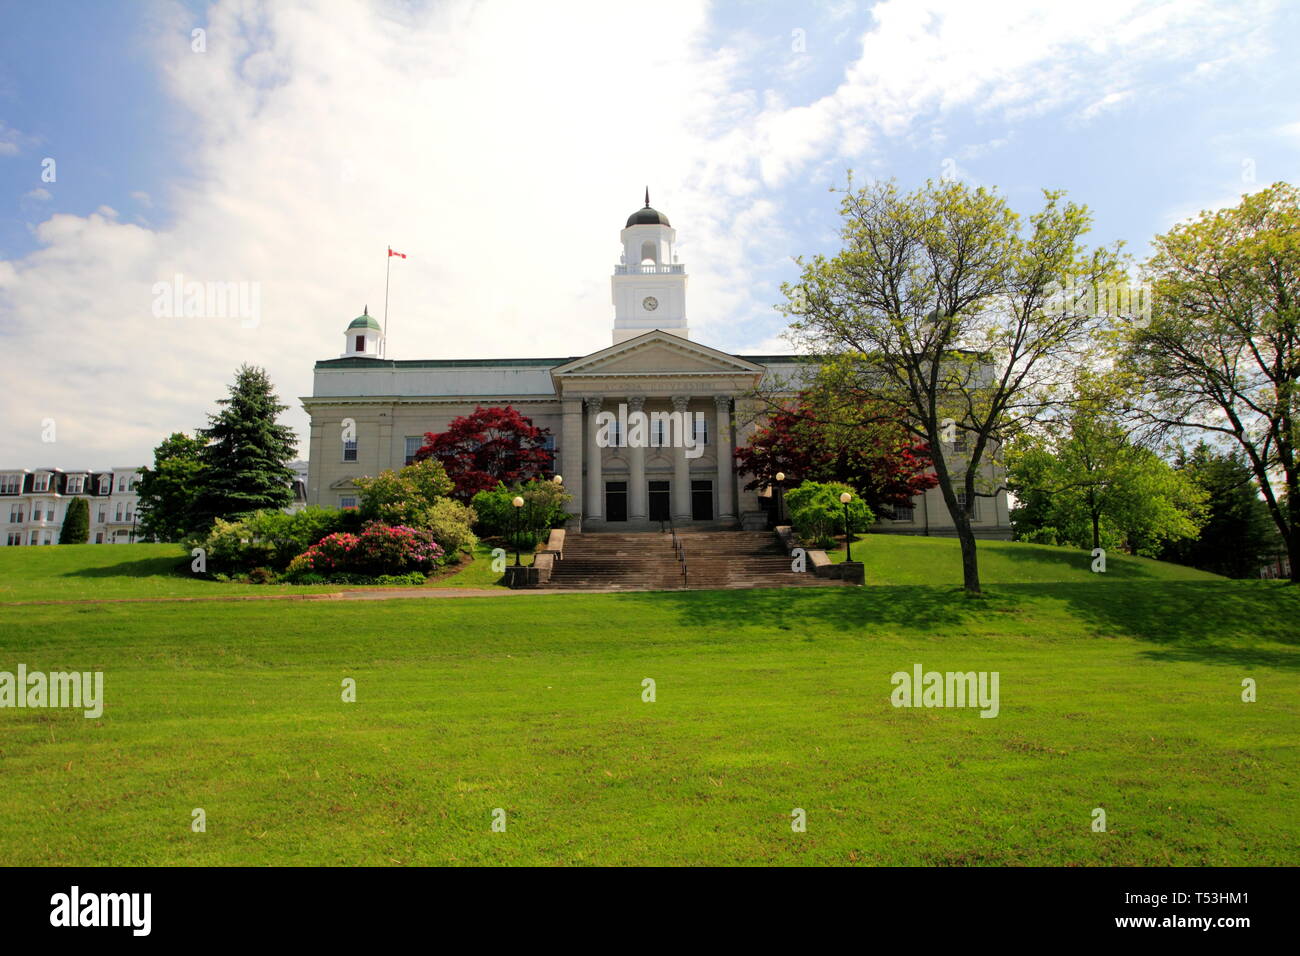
x=387 y=272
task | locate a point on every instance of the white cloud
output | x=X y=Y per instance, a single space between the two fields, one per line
x=499 y=145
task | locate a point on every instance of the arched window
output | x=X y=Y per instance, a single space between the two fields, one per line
x=649 y=252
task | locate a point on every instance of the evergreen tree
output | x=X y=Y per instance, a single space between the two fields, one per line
x=1238 y=535
x=76 y=523
x=169 y=489
x=245 y=452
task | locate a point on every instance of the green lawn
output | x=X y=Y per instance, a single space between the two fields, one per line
x=113 y=571
x=1120 y=691
x=902 y=559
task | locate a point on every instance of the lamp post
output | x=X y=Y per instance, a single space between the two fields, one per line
x=845 y=498
x=518 y=503
x=780 y=494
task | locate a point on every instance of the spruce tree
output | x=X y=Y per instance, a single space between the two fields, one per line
x=246 y=452
x=76 y=523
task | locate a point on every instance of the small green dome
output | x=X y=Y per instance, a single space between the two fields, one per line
x=365 y=321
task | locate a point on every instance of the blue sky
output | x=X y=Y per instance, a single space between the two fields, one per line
x=502 y=145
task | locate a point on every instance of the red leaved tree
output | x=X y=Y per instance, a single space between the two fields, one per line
x=490 y=446
x=879 y=458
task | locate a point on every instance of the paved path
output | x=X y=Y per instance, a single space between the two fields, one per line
x=377 y=594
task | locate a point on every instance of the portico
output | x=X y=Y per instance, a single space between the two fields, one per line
x=648 y=424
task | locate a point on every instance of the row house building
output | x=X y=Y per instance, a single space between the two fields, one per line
x=34 y=502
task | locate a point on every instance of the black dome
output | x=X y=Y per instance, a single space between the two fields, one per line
x=647 y=217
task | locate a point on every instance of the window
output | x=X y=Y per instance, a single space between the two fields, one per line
x=76 y=484
x=347 y=502
x=99 y=537
x=103 y=515
x=548 y=446
x=905 y=512
x=350 y=450
x=105 y=484
x=960 y=444
x=41 y=482
x=49 y=513
x=119 y=511
x=121 y=482
x=129 y=513
x=15 y=538
x=15 y=514
x=35 y=539
x=973 y=510
x=700 y=430
x=11 y=484
x=413 y=444
x=38 y=509
x=48 y=539
x=657 y=440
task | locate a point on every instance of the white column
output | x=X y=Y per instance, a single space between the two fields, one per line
x=681 y=465
x=637 y=510
x=724 y=446
x=571 y=453
x=594 y=505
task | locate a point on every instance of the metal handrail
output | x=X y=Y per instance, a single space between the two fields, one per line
x=683 y=567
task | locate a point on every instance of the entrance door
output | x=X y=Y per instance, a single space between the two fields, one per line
x=660 y=505
x=616 y=501
x=702 y=500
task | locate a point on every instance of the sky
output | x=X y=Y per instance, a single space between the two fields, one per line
x=275 y=151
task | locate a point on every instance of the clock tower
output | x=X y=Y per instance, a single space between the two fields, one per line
x=649 y=284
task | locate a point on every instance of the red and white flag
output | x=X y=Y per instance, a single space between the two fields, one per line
x=391 y=253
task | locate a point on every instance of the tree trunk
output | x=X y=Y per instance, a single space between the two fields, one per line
x=970 y=570
x=1096 y=531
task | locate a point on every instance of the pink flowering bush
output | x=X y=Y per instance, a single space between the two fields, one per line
x=378 y=549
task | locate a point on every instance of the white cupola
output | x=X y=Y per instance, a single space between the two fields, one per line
x=363 y=337
x=649 y=284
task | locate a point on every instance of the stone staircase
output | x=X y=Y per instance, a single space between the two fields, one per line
x=647 y=561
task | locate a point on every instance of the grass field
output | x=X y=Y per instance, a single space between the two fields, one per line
x=105 y=572
x=1120 y=691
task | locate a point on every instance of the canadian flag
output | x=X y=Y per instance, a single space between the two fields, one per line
x=391 y=253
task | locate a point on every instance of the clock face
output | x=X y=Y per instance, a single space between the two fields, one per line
x=650 y=303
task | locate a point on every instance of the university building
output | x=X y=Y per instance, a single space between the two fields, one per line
x=370 y=413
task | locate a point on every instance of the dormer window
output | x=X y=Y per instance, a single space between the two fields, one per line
x=105 y=484
x=11 y=484
x=41 y=482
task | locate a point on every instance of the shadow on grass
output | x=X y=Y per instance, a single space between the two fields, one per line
x=1118 y=566
x=166 y=566
x=1220 y=622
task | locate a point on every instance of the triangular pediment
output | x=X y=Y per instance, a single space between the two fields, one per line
x=654 y=353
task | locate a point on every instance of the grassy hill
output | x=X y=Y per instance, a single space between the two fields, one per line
x=902 y=559
x=99 y=572
x=1117 y=691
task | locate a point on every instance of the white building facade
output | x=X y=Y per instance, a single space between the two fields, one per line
x=34 y=502
x=642 y=432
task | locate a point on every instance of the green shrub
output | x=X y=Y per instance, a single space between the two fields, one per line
x=543 y=509
x=818 y=514
x=450 y=522
x=268 y=539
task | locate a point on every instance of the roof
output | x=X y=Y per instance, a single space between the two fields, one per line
x=648 y=217
x=364 y=321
